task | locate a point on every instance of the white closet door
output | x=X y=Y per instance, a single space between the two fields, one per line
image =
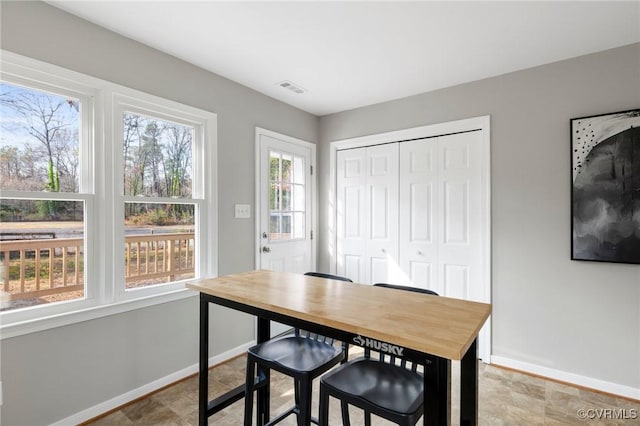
x=460 y=247
x=367 y=213
x=440 y=214
x=434 y=232
x=382 y=194
x=419 y=215
x=351 y=186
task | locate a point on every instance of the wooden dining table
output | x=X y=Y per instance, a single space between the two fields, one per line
x=430 y=329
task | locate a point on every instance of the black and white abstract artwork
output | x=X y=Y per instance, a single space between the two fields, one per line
x=605 y=162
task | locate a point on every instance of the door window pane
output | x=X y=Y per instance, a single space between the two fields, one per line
x=298 y=170
x=286 y=168
x=274 y=166
x=286 y=197
x=274 y=196
x=298 y=198
x=298 y=225
x=286 y=226
x=274 y=226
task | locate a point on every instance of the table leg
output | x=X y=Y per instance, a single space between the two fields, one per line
x=203 y=376
x=469 y=387
x=263 y=396
x=437 y=391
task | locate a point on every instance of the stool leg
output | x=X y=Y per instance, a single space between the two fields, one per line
x=323 y=409
x=296 y=394
x=304 y=418
x=248 y=392
x=345 y=413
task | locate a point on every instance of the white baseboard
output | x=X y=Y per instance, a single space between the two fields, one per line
x=571 y=378
x=127 y=397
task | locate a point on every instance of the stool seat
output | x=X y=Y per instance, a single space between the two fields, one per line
x=366 y=382
x=297 y=353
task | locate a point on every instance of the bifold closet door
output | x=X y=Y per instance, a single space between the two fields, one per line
x=367 y=213
x=460 y=251
x=419 y=213
x=440 y=214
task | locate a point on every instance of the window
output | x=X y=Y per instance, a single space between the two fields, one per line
x=86 y=235
x=161 y=194
x=47 y=193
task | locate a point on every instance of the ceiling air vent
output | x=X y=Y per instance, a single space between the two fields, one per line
x=291 y=86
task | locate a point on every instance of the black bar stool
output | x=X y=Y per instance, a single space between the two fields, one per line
x=393 y=391
x=302 y=356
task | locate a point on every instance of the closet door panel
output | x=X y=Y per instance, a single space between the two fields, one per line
x=456 y=281
x=351 y=218
x=418 y=213
x=379 y=212
x=460 y=245
x=382 y=190
x=456 y=212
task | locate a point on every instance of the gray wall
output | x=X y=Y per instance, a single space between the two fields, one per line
x=577 y=317
x=68 y=369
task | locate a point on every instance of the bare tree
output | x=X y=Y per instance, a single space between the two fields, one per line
x=158 y=157
x=42 y=116
x=177 y=178
x=152 y=152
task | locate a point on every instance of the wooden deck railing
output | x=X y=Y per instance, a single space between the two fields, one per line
x=157 y=258
x=36 y=268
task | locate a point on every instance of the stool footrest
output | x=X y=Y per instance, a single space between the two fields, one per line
x=225 y=400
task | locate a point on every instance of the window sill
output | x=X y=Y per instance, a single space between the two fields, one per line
x=60 y=320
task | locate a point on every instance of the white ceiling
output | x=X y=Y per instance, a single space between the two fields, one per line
x=351 y=54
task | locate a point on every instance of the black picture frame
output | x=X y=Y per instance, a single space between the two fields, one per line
x=605 y=187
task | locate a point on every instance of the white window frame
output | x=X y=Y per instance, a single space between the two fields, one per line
x=150 y=107
x=101 y=189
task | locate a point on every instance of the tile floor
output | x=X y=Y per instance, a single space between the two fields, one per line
x=506 y=398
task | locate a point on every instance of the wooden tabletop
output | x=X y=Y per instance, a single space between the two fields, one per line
x=436 y=325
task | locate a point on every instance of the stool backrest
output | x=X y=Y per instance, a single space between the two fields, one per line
x=328 y=276
x=392 y=359
x=316 y=336
x=407 y=288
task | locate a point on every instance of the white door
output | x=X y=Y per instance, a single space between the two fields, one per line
x=460 y=250
x=412 y=213
x=285 y=213
x=441 y=214
x=367 y=213
x=419 y=215
x=285 y=206
x=443 y=217
x=351 y=227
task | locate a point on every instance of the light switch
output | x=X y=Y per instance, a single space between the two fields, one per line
x=243 y=211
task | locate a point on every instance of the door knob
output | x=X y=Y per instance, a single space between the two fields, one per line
x=266 y=249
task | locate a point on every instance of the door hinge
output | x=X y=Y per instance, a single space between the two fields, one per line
x=312 y=235
x=311 y=167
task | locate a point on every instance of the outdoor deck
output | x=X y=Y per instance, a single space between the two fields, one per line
x=41 y=270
